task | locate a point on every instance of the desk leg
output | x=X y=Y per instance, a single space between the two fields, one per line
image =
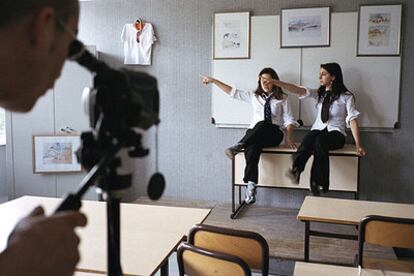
x=164 y=269
x=306 y=249
x=233 y=208
x=240 y=200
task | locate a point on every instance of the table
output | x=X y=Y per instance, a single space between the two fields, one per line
x=149 y=234
x=344 y=211
x=275 y=162
x=309 y=269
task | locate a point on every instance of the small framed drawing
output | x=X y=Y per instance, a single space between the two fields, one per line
x=308 y=27
x=231 y=35
x=53 y=154
x=379 y=30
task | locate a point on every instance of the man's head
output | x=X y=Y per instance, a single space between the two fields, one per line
x=35 y=37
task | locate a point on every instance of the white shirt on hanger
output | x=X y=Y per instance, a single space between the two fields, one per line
x=281 y=112
x=341 y=112
x=138 y=53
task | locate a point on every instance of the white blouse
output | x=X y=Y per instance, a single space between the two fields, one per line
x=134 y=52
x=341 y=112
x=281 y=111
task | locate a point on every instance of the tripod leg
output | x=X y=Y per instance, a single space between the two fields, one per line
x=114 y=244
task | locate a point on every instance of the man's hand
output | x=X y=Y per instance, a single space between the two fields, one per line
x=44 y=246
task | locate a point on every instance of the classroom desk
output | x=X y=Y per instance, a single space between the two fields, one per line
x=310 y=269
x=274 y=163
x=149 y=234
x=344 y=211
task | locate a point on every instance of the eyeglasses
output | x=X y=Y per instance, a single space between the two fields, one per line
x=76 y=48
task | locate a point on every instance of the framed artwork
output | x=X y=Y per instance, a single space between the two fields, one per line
x=379 y=30
x=231 y=35
x=53 y=154
x=308 y=27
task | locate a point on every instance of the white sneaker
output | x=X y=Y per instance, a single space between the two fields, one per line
x=250 y=196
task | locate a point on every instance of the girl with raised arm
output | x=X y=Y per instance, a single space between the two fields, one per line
x=336 y=110
x=271 y=114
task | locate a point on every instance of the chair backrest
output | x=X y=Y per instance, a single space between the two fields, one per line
x=251 y=247
x=194 y=261
x=388 y=232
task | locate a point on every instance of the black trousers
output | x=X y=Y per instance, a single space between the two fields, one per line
x=264 y=134
x=318 y=143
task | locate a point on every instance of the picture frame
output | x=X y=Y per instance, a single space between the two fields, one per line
x=305 y=27
x=54 y=154
x=231 y=35
x=379 y=30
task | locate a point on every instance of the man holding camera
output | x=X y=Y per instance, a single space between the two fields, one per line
x=33 y=48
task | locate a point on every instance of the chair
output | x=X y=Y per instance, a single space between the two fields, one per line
x=388 y=232
x=249 y=246
x=194 y=261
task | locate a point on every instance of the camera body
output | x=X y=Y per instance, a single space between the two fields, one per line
x=123 y=99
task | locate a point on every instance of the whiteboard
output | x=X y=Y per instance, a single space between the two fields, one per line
x=375 y=81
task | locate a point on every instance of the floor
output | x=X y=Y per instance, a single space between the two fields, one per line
x=284 y=234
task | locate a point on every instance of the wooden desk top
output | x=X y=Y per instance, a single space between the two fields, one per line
x=346 y=150
x=148 y=233
x=311 y=269
x=348 y=211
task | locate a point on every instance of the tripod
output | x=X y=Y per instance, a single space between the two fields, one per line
x=112 y=184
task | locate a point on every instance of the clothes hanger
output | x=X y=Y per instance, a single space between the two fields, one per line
x=139 y=24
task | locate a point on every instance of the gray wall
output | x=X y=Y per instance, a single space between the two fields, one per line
x=191 y=148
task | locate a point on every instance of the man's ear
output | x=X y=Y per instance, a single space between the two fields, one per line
x=42 y=27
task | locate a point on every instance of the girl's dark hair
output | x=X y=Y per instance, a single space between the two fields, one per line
x=277 y=91
x=12 y=11
x=338 y=86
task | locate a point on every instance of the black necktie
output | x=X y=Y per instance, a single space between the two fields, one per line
x=267 y=110
x=325 y=107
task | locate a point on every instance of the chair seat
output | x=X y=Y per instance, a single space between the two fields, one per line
x=384 y=264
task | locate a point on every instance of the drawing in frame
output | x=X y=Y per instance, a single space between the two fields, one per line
x=52 y=154
x=231 y=35
x=379 y=30
x=306 y=27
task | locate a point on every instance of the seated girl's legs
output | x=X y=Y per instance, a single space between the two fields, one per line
x=251 y=137
x=254 y=135
x=336 y=140
x=270 y=135
x=323 y=144
x=304 y=152
x=252 y=156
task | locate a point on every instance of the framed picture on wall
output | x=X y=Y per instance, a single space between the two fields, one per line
x=379 y=30
x=308 y=27
x=231 y=35
x=53 y=154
